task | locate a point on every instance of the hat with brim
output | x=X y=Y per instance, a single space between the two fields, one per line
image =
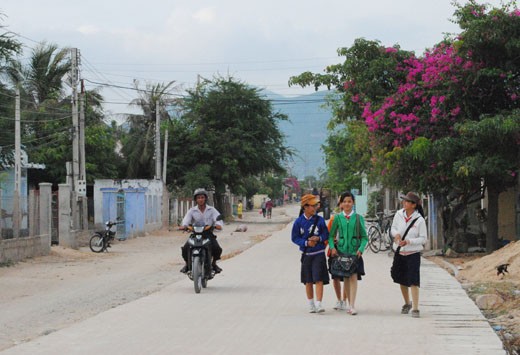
x=411 y=197
x=309 y=200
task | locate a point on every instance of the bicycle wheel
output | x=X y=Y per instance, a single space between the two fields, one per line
x=388 y=241
x=374 y=239
x=96 y=243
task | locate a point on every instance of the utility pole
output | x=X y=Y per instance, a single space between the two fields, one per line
x=165 y=155
x=82 y=172
x=75 y=119
x=157 y=141
x=17 y=167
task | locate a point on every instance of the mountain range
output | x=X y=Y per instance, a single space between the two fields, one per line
x=305 y=131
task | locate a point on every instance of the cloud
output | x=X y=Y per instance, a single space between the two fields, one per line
x=88 y=29
x=205 y=15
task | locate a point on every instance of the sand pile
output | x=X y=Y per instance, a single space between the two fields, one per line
x=484 y=269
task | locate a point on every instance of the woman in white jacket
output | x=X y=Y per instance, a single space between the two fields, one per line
x=411 y=247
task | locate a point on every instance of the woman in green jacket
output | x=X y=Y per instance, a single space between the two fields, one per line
x=351 y=240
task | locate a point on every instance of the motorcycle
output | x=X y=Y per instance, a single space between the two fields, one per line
x=100 y=241
x=199 y=255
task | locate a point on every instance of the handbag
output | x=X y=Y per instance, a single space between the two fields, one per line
x=310 y=235
x=399 y=267
x=343 y=265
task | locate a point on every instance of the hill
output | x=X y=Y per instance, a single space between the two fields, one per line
x=305 y=131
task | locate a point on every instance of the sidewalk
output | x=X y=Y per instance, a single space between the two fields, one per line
x=258 y=306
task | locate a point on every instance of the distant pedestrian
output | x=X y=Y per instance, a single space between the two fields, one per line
x=310 y=232
x=352 y=240
x=409 y=252
x=263 y=206
x=240 y=208
x=269 y=208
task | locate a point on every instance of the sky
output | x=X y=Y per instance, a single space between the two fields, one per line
x=262 y=43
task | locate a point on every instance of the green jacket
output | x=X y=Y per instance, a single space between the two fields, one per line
x=348 y=243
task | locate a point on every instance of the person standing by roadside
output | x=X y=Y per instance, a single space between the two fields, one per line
x=310 y=232
x=411 y=246
x=240 y=209
x=263 y=207
x=269 y=208
x=351 y=240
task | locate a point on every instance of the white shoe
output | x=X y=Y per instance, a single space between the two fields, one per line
x=320 y=309
x=345 y=306
x=352 y=311
x=312 y=308
x=339 y=305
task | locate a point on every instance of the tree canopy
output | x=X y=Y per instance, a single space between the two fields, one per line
x=226 y=133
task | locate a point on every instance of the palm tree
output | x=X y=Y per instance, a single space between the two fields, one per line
x=44 y=73
x=139 y=144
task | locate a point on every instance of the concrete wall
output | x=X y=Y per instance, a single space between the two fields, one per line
x=17 y=249
x=12 y=250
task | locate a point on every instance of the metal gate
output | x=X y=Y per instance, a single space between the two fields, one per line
x=55 y=208
x=120 y=208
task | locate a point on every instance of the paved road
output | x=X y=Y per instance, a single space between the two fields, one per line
x=258 y=306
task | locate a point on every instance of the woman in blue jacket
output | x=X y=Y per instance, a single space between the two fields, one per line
x=310 y=232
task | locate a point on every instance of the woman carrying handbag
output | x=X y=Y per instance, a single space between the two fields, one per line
x=352 y=240
x=409 y=231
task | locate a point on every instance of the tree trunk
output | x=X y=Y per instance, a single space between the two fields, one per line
x=492 y=221
x=218 y=202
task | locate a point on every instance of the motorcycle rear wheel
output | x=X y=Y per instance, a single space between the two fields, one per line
x=96 y=243
x=197 y=274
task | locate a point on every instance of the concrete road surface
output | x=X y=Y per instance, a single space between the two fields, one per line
x=258 y=306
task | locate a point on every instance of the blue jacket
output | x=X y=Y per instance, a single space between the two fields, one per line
x=301 y=230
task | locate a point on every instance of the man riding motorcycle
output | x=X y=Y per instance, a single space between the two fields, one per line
x=206 y=214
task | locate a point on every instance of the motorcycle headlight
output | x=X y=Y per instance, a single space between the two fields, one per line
x=198 y=229
x=199 y=236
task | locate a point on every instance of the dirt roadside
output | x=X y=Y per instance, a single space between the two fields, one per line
x=497 y=296
x=41 y=295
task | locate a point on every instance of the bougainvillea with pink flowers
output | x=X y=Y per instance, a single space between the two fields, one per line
x=427 y=103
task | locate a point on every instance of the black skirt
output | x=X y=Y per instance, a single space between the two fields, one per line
x=409 y=274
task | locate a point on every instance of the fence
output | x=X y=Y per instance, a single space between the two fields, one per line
x=35 y=231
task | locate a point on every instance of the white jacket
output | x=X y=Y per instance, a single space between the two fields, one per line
x=417 y=235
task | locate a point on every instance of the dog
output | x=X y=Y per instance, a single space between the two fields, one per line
x=502 y=269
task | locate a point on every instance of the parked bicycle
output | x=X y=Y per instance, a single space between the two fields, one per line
x=100 y=240
x=379 y=235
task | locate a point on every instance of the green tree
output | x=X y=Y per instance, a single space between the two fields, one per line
x=368 y=73
x=433 y=131
x=229 y=133
x=9 y=47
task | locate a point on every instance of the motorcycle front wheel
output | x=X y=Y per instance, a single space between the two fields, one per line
x=197 y=274
x=96 y=243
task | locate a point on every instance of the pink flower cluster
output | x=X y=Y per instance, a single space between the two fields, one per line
x=421 y=106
